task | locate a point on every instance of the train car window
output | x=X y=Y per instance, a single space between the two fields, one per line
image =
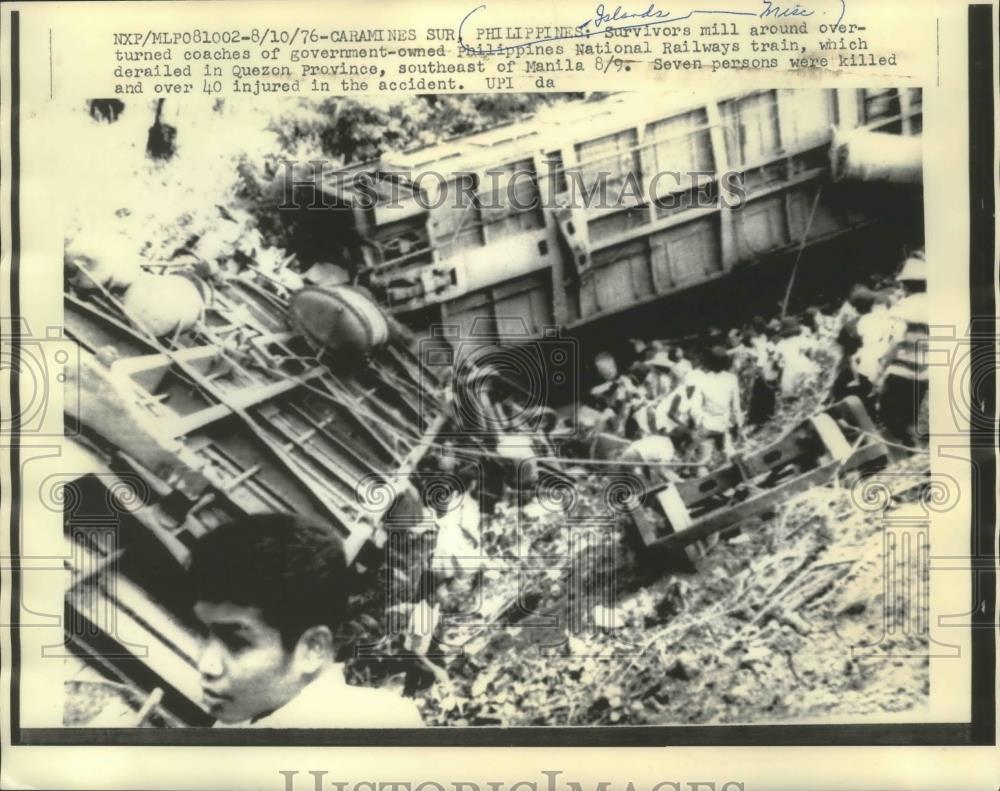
x=621 y=275
x=403 y=243
x=458 y=221
x=526 y=299
x=618 y=222
x=682 y=143
x=878 y=105
x=556 y=171
x=806 y=116
x=612 y=157
x=488 y=315
x=751 y=128
x=509 y=201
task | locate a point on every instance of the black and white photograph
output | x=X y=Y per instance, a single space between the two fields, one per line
x=464 y=411
x=498 y=396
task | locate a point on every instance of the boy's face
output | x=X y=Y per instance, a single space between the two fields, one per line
x=245 y=670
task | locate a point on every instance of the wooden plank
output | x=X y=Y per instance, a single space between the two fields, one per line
x=792 y=447
x=675 y=509
x=800 y=443
x=829 y=432
x=325 y=426
x=305 y=442
x=697 y=490
x=355 y=412
x=232 y=403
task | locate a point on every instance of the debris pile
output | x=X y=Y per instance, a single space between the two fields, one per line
x=786 y=619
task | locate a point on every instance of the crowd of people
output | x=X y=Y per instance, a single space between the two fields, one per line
x=680 y=408
x=881 y=356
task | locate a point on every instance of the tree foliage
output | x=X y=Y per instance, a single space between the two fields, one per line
x=163 y=175
x=358 y=130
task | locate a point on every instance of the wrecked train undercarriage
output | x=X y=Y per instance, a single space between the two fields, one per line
x=230 y=415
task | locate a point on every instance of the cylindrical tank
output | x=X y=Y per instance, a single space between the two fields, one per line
x=864 y=155
x=338 y=319
x=164 y=304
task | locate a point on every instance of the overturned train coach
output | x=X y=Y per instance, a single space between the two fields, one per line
x=596 y=211
x=309 y=401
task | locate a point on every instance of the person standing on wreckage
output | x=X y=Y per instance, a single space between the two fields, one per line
x=720 y=415
x=794 y=350
x=508 y=434
x=615 y=392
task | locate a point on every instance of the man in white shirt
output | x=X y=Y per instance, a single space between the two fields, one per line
x=682 y=366
x=719 y=409
x=677 y=414
x=879 y=331
x=793 y=350
x=457 y=548
x=664 y=376
x=270 y=592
